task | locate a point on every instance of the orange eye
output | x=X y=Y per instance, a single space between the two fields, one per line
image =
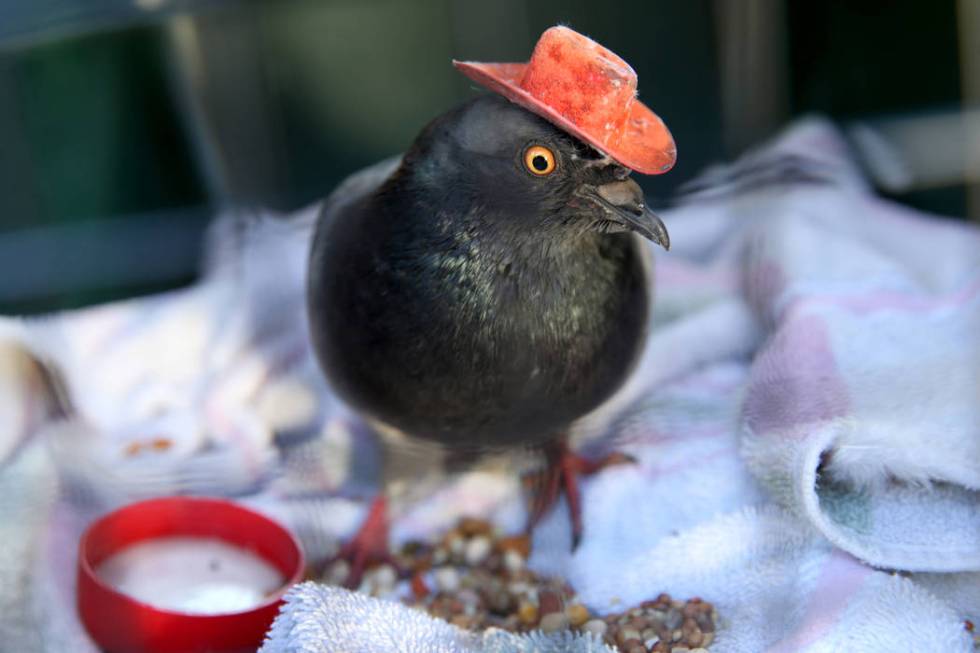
x=539 y=160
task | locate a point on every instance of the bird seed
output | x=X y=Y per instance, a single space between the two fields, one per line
x=475 y=579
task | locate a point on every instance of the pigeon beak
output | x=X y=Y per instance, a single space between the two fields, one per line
x=622 y=203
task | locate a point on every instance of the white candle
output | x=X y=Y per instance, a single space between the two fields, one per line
x=192 y=575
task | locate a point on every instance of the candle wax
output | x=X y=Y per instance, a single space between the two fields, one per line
x=191 y=575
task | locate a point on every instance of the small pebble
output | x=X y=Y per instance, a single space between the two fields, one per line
x=440 y=556
x=385 y=579
x=553 y=621
x=501 y=602
x=419 y=589
x=680 y=649
x=692 y=633
x=456 y=545
x=446 y=579
x=468 y=596
x=577 y=614
x=462 y=621
x=513 y=560
x=518 y=587
x=674 y=619
x=699 y=650
x=477 y=550
x=527 y=612
x=337 y=573
x=637 y=623
x=549 y=601
x=595 y=626
x=705 y=623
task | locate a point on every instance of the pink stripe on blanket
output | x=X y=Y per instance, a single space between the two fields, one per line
x=901 y=301
x=841 y=578
x=794 y=380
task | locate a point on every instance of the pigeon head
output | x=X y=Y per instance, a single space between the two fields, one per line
x=492 y=158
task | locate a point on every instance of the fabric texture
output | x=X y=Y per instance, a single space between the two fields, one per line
x=805 y=420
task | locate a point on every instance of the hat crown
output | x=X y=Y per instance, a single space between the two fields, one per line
x=584 y=82
x=589 y=92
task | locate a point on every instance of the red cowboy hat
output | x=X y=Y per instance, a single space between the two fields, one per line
x=588 y=91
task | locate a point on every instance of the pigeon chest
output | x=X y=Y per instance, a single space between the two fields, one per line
x=486 y=348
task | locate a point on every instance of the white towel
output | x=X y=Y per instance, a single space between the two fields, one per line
x=320 y=619
x=804 y=420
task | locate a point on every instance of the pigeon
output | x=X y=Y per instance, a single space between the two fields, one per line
x=489 y=289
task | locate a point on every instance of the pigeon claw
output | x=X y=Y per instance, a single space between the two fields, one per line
x=369 y=546
x=561 y=475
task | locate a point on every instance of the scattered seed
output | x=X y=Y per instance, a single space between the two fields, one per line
x=549 y=601
x=385 y=578
x=520 y=544
x=513 y=561
x=595 y=626
x=337 y=572
x=440 y=556
x=674 y=619
x=446 y=579
x=577 y=614
x=477 y=550
x=553 y=621
x=419 y=589
x=476 y=580
x=456 y=545
x=528 y=613
x=161 y=444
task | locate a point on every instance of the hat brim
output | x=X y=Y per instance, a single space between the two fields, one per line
x=646 y=145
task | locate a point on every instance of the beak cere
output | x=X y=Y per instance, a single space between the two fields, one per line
x=622 y=203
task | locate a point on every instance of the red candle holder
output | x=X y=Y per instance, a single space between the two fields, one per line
x=120 y=623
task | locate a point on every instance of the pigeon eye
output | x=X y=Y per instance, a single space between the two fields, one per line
x=539 y=160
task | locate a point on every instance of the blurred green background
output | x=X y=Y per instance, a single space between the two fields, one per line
x=125 y=125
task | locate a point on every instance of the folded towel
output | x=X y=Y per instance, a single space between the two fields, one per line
x=804 y=421
x=862 y=411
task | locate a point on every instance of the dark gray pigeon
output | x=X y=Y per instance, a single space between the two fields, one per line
x=485 y=294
